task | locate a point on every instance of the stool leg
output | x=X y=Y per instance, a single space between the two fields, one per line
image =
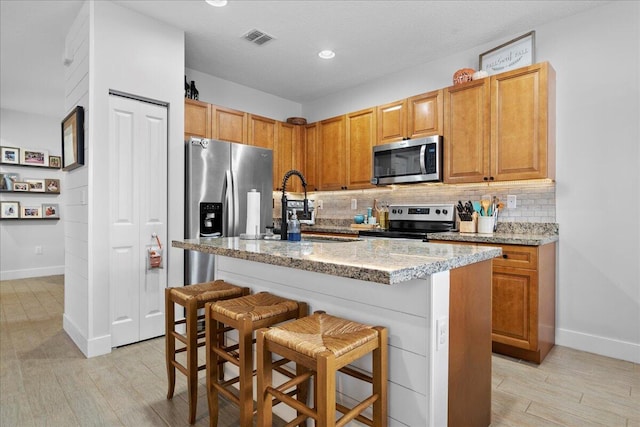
x=170 y=342
x=380 y=357
x=211 y=326
x=326 y=378
x=245 y=338
x=302 y=389
x=192 y=358
x=221 y=337
x=265 y=379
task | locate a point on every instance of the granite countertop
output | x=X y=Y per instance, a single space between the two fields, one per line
x=386 y=261
x=524 y=234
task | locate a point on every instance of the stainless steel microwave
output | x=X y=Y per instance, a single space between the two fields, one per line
x=408 y=161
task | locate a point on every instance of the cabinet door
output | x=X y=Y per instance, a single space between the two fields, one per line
x=228 y=125
x=519 y=123
x=262 y=132
x=515 y=307
x=425 y=114
x=197 y=119
x=392 y=122
x=310 y=156
x=466 y=132
x=361 y=136
x=332 y=154
x=288 y=156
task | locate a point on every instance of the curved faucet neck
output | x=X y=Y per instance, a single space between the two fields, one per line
x=283 y=221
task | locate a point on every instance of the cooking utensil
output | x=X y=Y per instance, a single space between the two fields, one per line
x=486 y=204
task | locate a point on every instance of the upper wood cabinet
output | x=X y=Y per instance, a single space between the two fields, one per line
x=261 y=132
x=425 y=114
x=361 y=137
x=414 y=117
x=197 y=119
x=392 y=122
x=501 y=128
x=228 y=125
x=332 y=154
x=287 y=155
x=310 y=142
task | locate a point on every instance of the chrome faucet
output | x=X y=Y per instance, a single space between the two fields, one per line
x=283 y=225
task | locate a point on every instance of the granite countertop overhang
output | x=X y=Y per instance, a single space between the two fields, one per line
x=385 y=261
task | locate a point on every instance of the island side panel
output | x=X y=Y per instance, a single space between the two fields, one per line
x=470 y=345
x=405 y=309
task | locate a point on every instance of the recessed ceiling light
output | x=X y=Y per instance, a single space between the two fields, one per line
x=217 y=3
x=326 y=54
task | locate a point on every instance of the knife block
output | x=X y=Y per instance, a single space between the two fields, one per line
x=469 y=226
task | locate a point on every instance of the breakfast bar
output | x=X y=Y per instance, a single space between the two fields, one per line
x=435 y=300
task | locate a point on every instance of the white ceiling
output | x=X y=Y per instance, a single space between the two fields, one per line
x=371 y=39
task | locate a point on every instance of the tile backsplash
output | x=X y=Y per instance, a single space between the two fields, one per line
x=535 y=200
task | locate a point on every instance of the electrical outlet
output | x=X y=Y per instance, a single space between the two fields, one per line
x=511 y=201
x=354 y=204
x=320 y=205
x=38 y=250
x=442 y=332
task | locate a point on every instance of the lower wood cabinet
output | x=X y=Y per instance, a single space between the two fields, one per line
x=523 y=300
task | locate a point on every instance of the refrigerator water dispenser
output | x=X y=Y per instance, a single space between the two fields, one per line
x=210 y=219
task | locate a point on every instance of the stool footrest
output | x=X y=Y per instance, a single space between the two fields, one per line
x=179 y=366
x=295 y=404
x=296 y=421
x=354 y=413
x=227 y=393
x=226 y=356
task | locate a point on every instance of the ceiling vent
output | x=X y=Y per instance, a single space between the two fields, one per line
x=257 y=37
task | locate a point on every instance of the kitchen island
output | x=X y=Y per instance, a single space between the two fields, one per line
x=435 y=299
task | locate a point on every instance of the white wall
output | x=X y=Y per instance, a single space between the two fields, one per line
x=224 y=93
x=135 y=54
x=76 y=188
x=18 y=239
x=598 y=293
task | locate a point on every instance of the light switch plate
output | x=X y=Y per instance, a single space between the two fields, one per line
x=354 y=204
x=511 y=202
x=442 y=333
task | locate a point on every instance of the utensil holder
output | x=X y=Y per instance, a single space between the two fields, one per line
x=468 y=226
x=485 y=224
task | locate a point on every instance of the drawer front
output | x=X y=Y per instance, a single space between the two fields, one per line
x=518 y=257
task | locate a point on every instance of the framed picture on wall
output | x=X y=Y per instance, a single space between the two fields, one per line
x=55 y=162
x=513 y=54
x=9 y=209
x=20 y=186
x=34 y=157
x=30 y=212
x=36 y=185
x=10 y=155
x=52 y=185
x=50 y=210
x=73 y=140
x=8 y=181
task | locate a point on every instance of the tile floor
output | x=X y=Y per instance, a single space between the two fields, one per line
x=45 y=379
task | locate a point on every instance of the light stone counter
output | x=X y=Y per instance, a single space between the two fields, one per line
x=523 y=239
x=386 y=261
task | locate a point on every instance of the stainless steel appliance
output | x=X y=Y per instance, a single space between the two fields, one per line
x=408 y=161
x=297 y=207
x=416 y=221
x=218 y=177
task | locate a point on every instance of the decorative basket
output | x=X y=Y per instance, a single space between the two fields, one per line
x=463 y=75
x=297 y=120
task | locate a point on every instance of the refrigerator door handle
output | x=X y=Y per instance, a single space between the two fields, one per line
x=236 y=205
x=228 y=193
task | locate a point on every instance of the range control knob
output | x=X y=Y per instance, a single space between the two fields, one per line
x=437 y=211
x=444 y=211
x=399 y=211
x=393 y=211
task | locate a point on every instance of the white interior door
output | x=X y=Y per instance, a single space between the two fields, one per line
x=138 y=211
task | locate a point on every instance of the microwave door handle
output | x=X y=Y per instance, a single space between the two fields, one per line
x=423 y=154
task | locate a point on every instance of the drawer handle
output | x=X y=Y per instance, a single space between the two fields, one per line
x=505 y=256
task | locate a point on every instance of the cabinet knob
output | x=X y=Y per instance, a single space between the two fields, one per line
x=491 y=178
x=485 y=178
x=505 y=256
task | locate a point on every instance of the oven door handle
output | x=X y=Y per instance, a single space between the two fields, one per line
x=423 y=155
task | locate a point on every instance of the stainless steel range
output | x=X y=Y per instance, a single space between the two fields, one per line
x=416 y=221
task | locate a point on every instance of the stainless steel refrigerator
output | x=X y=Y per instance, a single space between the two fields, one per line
x=218 y=176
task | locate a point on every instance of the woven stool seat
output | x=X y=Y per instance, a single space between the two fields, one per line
x=322 y=332
x=245 y=314
x=205 y=292
x=192 y=298
x=256 y=307
x=321 y=345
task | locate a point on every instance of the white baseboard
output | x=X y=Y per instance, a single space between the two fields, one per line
x=31 y=272
x=90 y=348
x=603 y=346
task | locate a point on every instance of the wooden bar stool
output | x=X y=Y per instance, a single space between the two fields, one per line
x=192 y=298
x=323 y=344
x=246 y=315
